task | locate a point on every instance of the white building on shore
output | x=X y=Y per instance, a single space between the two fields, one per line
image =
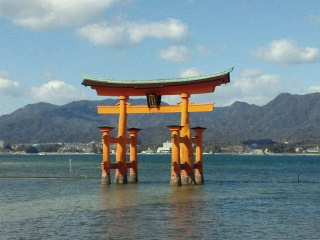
x=313 y=150
x=166 y=147
x=3 y=144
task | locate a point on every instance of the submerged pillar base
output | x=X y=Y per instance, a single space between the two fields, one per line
x=199 y=178
x=133 y=178
x=105 y=179
x=187 y=179
x=175 y=180
x=121 y=179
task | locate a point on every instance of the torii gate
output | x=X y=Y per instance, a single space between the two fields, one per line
x=184 y=171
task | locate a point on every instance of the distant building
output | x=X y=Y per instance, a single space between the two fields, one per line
x=2 y=144
x=313 y=150
x=149 y=151
x=166 y=147
x=93 y=146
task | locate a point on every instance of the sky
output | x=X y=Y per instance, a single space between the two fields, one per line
x=46 y=46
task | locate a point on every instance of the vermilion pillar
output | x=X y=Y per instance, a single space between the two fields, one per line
x=186 y=154
x=105 y=164
x=121 y=171
x=133 y=154
x=175 y=155
x=199 y=162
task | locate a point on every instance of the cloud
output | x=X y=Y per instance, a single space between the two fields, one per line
x=313 y=89
x=191 y=72
x=14 y=95
x=252 y=86
x=286 y=51
x=57 y=92
x=52 y=14
x=250 y=72
x=175 y=54
x=126 y=34
x=10 y=88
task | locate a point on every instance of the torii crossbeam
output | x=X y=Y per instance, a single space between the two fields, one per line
x=184 y=171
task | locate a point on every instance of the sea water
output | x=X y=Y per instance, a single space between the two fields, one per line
x=243 y=197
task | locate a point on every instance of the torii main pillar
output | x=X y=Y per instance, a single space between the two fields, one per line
x=121 y=171
x=186 y=152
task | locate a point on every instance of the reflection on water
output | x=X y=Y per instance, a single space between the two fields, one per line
x=165 y=212
x=242 y=198
x=187 y=212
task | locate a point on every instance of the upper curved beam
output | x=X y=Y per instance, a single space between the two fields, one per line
x=173 y=86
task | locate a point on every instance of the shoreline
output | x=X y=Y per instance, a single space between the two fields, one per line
x=244 y=154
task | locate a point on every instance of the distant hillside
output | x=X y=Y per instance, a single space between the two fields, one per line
x=286 y=118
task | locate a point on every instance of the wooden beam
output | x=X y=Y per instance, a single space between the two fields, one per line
x=207 y=107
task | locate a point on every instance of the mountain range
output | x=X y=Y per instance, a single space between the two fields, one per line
x=286 y=118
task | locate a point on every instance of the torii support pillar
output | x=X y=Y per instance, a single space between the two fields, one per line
x=175 y=155
x=105 y=165
x=199 y=162
x=133 y=154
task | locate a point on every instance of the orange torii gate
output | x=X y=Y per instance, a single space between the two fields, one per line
x=184 y=171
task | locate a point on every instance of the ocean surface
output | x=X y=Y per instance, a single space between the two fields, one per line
x=244 y=197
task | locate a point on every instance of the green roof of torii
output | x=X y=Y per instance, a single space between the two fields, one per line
x=101 y=82
x=172 y=86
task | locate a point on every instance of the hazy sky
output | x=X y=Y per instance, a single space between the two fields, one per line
x=47 y=45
